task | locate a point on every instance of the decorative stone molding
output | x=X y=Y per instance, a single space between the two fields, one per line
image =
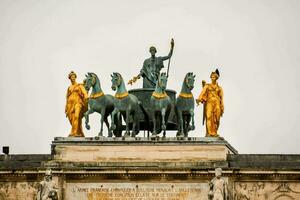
x=267 y=190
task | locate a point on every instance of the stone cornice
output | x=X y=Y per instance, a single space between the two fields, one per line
x=136 y=172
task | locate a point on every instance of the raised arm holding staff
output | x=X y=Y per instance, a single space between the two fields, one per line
x=151 y=68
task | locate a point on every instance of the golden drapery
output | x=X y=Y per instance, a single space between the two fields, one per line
x=212 y=97
x=76 y=106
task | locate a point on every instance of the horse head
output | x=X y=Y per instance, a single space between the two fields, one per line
x=162 y=81
x=189 y=80
x=116 y=80
x=90 y=80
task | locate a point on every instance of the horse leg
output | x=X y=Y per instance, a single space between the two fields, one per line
x=127 y=132
x=101 y=122
x=192 y=127
x=184 y=117
x=134 y=125
x=187 y=129
x=163 y=121
x=177 y=120
x=113 y=115
x=180 y=124
x=107 y=125
x=86 y=117
x=154 y=132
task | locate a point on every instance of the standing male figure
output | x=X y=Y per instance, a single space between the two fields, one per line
x=218 y=187
x=47 y=188
x=152 y=66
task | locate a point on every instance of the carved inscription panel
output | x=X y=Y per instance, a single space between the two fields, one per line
x=137 y=191
x=267 y=190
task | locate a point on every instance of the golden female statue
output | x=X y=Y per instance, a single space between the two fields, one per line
x=76 y=105
x=212 y=98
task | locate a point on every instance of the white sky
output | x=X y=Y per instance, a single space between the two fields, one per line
x=255 y=44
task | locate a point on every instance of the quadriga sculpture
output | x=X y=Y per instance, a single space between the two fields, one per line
x=185 y=106
x=98 y=102
x=161 y=105
x=125 y=104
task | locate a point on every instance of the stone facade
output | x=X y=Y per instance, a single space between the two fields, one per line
x=140 y=169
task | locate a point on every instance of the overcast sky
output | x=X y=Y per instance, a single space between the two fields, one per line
x=255 y=44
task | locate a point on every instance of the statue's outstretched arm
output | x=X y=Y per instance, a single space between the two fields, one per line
x=84 y=92
x=170 y=53
x=168 y=56
x=203 y=96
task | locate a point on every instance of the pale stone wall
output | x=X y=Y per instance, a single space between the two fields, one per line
x=142 y=169
x=18 y=190
x=80 y=185
x=22 y=186
x=134 y=153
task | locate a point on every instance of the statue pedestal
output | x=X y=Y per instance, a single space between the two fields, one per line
x=140 y=149
x=138 y=168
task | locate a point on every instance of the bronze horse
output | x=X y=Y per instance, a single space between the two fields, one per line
x=98 y=102
x=161 y=105
x=184 y=106
x=125 y=104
